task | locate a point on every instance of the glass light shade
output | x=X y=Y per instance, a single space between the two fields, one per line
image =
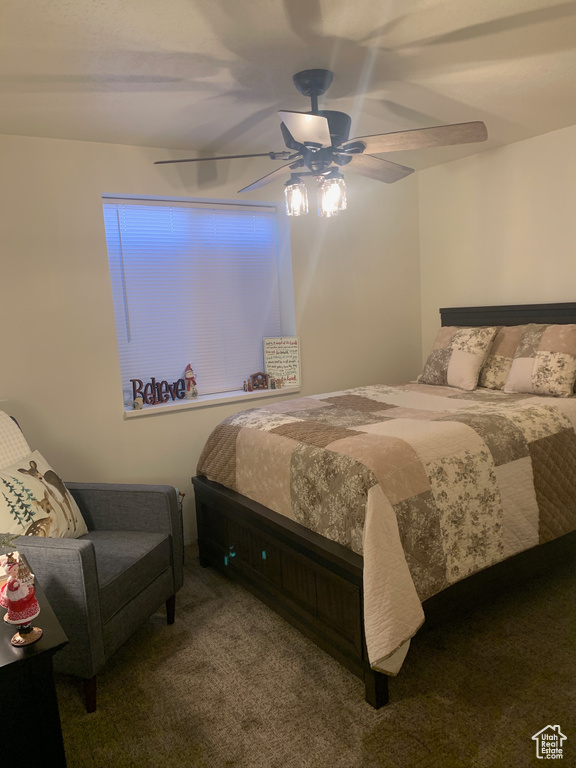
x=331 y=196
x=296 y=196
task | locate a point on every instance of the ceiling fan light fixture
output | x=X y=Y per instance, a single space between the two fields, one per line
x=318 y=143
x=296 y=196
x=331 y=195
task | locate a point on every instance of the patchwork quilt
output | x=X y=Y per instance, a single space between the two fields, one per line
x=428 y=483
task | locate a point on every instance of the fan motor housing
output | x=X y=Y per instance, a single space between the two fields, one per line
x=338 y=124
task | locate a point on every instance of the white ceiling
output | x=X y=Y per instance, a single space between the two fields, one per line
x=209 y=75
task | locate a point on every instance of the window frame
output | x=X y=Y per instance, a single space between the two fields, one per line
x=285 y=287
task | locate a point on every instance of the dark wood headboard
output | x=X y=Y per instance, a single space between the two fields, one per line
x=512 y=314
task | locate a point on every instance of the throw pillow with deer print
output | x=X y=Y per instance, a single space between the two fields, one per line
x=35 y=502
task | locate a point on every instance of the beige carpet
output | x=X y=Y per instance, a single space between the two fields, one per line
x=231 y=684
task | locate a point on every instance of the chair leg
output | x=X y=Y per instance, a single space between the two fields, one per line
x=171 y=609
x=90 y=694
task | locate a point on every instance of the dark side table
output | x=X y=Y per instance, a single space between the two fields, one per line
x=30 y=732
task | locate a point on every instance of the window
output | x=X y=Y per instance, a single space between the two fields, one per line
x=199 y=283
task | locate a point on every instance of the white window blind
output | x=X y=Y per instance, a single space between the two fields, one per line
x=192 y=284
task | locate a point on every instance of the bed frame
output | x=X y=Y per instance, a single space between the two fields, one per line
x=312 y=582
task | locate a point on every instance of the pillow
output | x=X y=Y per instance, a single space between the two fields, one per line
x=13 y=445
x=499 y=359
x=457 y=356
x=545 y=361
x=35 y=502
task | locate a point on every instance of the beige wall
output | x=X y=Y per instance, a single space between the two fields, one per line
x=499 y=228
x=356 y=284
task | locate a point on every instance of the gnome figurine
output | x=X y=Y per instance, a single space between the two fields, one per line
x=19 y=598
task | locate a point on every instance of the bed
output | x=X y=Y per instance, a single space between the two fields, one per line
x=438 y=484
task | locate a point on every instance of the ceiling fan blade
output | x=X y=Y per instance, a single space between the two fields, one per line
x=377 y=168
x=514 y=23
x=422 y=138
x=271 y=155
x=277 y=174
x=307 y=129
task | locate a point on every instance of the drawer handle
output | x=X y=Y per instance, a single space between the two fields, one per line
x=263 y=554
x=231 y=553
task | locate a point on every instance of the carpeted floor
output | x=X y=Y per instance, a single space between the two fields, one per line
x=231 y=684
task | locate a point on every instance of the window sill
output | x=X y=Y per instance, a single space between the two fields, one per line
x=206 y=401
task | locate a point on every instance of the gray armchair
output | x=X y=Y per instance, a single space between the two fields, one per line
x=105 y=584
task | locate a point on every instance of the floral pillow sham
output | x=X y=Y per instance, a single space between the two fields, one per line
x=458 y=356
x=545 y=361
x=496 y=368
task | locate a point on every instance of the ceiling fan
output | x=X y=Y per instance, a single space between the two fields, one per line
x=318 y=145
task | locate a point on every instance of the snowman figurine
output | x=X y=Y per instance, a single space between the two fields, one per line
x=191 y=390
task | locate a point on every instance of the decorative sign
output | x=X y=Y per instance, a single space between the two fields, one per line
x=155 y=392
x=282 y=359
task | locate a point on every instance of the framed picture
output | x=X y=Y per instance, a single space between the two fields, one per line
x=282 y=359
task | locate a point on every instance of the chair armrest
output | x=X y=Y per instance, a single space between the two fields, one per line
x=130 y=507
x=66 y=571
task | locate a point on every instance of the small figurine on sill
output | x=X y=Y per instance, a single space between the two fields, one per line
x=19 y=598
x=137 y=403
x=259 y=380
x=191 y=390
